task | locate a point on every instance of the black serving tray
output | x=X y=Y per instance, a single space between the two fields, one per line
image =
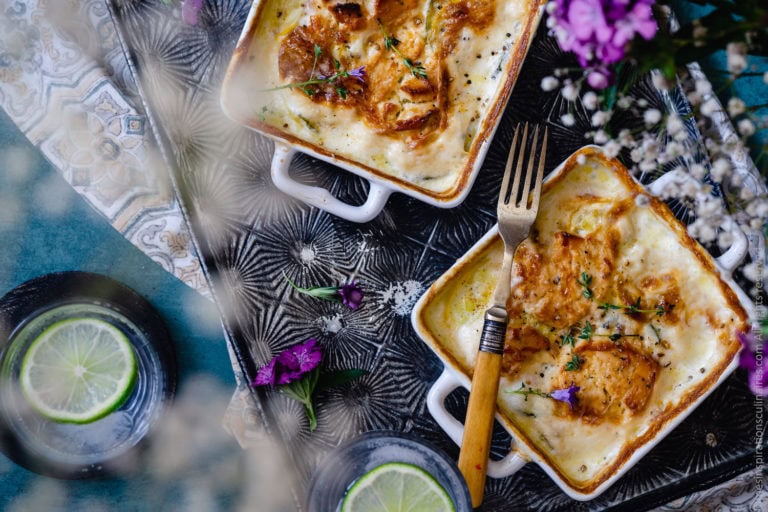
x=248 y=234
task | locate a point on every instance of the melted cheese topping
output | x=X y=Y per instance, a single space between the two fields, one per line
x=424 y=129
x=636 y=370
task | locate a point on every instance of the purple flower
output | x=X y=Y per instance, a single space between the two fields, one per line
x=290 y=365
x=358 y=73
x=598 y=31
x=751 y=359
x=190 y=10
x=566 y=395
x=351 y=295
x=266 y=374
x=300 y=359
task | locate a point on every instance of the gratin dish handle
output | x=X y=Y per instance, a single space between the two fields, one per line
x=322 y=198
x=731 y=258
x=443 y=386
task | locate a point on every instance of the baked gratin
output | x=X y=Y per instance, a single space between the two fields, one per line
x=409 y=90
x=610 y=296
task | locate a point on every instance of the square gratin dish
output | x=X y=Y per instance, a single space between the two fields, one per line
x=611 y=295
x=406 y=94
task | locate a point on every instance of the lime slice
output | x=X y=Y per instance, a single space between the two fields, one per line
x=78 y=370
x=397 y=487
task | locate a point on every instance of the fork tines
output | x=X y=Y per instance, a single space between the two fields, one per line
x=535 y=158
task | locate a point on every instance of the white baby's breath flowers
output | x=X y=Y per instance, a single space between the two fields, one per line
x=651 y=117
x=600 y=118
x=736 y=107
x=746 y=194
x=570 y=91
x=612 y=148
x=746 y=127
x=549 y=83
x=624 y=103
x=589 y=100
x=736 y=57
x=625 y=138
x=697 y=171
x=660 y=82
x=725 y=239
x=600 y=137
x=710 y=106
x=568 y=119
x=703 y=87
x=695 y=99
x=674 y=125
x=721 y=168
x=752 y=271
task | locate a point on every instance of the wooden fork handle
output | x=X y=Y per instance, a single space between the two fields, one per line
x=478 y=426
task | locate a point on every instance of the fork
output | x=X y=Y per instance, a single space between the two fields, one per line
x=515 y=219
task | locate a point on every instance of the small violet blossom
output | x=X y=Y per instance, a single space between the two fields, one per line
x=598 y=31
x=296 y=371
x=300 y=359
x=751 y=359
x=290 y=365
x=358 y=73
x=567 y=395
x=351 y=295
x=190 y=10
x=348 y=294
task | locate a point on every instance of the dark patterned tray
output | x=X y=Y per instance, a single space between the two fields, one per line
x=247 y=234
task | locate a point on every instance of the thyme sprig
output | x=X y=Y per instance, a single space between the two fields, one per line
x=585 y=280
x=588 y=332
x=574 y=363
x=391 y=44
x=633 y=308
x=567 y=395
x=307 y=85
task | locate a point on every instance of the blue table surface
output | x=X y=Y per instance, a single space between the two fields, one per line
x=45 y=226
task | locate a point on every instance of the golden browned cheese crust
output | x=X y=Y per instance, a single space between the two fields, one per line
x=393 y=100
x=609 y=294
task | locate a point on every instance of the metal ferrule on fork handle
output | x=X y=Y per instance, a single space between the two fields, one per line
x=494 y=330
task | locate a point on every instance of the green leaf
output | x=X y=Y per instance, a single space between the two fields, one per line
x=573 y=364
x=586 y=332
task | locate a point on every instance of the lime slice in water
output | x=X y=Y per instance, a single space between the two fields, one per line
x=397 y=487
x=78 y=370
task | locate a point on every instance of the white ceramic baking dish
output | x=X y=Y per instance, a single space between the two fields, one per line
x=281 y=114
x=521 y=451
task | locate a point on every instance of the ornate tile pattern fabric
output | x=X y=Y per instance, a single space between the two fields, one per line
x=65 y=82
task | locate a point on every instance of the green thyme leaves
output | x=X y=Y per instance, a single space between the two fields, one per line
x=586 y=282
x=632 y=308
x=574 y=364
x=309 y=87
x=391 y=44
